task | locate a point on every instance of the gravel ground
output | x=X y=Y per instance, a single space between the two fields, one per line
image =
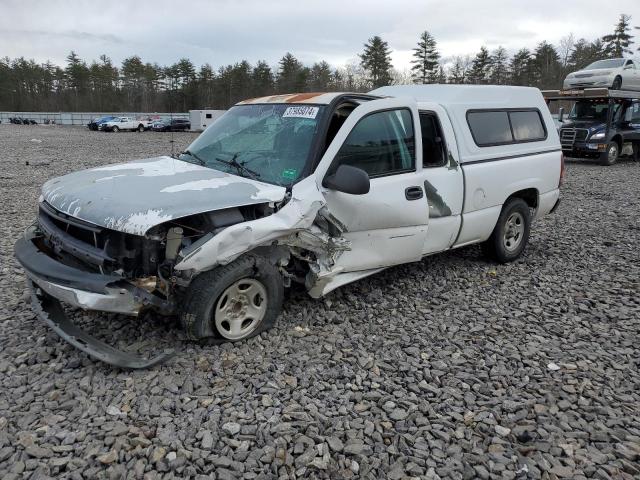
x=453 y=367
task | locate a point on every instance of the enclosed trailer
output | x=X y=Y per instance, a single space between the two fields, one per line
x=201 y=119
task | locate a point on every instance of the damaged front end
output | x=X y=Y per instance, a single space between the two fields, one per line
x=93 y=267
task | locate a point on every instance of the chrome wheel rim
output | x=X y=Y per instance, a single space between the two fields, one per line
x=240 y=309
x=613 y=153
x=513 y=232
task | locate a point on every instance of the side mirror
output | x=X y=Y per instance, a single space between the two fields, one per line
x=348 y=179
x=561 y=114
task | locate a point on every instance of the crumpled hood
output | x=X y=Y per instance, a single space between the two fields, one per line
x=133 y=197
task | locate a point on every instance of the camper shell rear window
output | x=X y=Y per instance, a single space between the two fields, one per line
x=506 y=126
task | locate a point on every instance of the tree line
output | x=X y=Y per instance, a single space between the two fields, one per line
x=149 y=87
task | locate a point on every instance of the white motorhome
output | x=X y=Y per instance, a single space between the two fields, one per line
x=320 y=189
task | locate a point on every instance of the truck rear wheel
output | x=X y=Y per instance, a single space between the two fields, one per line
x=611 y=155
x=235 y=301
x=141 y=128
x=511 y=233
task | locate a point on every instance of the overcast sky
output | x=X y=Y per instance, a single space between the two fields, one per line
x=225 y=31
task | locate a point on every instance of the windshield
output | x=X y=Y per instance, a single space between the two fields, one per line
x=612 y=63
x=269 y=142
x=592 y=111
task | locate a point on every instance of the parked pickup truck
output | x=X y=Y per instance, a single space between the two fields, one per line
x=317 y=189
x=124 y=123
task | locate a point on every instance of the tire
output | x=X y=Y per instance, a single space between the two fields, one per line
x=617 y=83
x=115 y=129
x=611 y=155
x=511 y=233
x=141 y=128
x=235 y=301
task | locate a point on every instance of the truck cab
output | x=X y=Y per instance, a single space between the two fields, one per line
x=320 y=189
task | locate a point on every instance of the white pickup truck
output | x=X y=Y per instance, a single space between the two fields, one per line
x=124 y=123
x=319 y=189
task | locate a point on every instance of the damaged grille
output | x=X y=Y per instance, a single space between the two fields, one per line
x=99 y=248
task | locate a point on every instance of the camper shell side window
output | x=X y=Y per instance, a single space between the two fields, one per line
x=507 y=126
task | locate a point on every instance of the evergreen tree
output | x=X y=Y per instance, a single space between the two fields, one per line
x=77 y=74
x=520 y=68
x=584 y=53
x=546 y=66
x=617 y=43
x=320 y=77
x=498 y=67
x=206 y=79
x=376 y=60
x=292 y=75
x=480 y=67
x=425 y=60
x=262 y=76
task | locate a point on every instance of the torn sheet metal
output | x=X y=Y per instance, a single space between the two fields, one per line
x=136 y=196
x=298 y=214
x=437 y=206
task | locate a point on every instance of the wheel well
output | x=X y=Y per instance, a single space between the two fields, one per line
x=529 y=195
x=618 y=140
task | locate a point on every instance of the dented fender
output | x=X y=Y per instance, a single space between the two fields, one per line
x=297 y=215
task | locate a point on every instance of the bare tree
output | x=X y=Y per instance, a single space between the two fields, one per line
x=566 y=48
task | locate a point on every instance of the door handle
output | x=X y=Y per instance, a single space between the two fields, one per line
x=413 y=193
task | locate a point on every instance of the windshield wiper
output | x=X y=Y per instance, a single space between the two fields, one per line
x=239 y=166
x=200 y=160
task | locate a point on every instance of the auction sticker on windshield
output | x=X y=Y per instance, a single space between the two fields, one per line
x=301 y=112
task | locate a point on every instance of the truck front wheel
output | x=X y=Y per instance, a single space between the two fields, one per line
x=511 y=233
x=611 y=155
x=235 y=301
x=141 y=128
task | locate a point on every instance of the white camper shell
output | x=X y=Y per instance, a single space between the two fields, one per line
x=317 y=188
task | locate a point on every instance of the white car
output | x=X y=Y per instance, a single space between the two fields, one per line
x=614 y=73
x=123 y=123
x=317 y=189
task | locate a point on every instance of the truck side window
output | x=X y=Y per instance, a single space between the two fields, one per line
x=381 y=143
x=432 y=141
x=635 y=112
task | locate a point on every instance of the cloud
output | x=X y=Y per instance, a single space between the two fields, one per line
x=71 y=35
x=225 y=31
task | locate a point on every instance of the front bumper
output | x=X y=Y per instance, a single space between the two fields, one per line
x=589 y=82
x=581 y=148
x=87 y=290
x=51 y=282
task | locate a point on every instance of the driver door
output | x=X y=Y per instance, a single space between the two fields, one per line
x=388 y=225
